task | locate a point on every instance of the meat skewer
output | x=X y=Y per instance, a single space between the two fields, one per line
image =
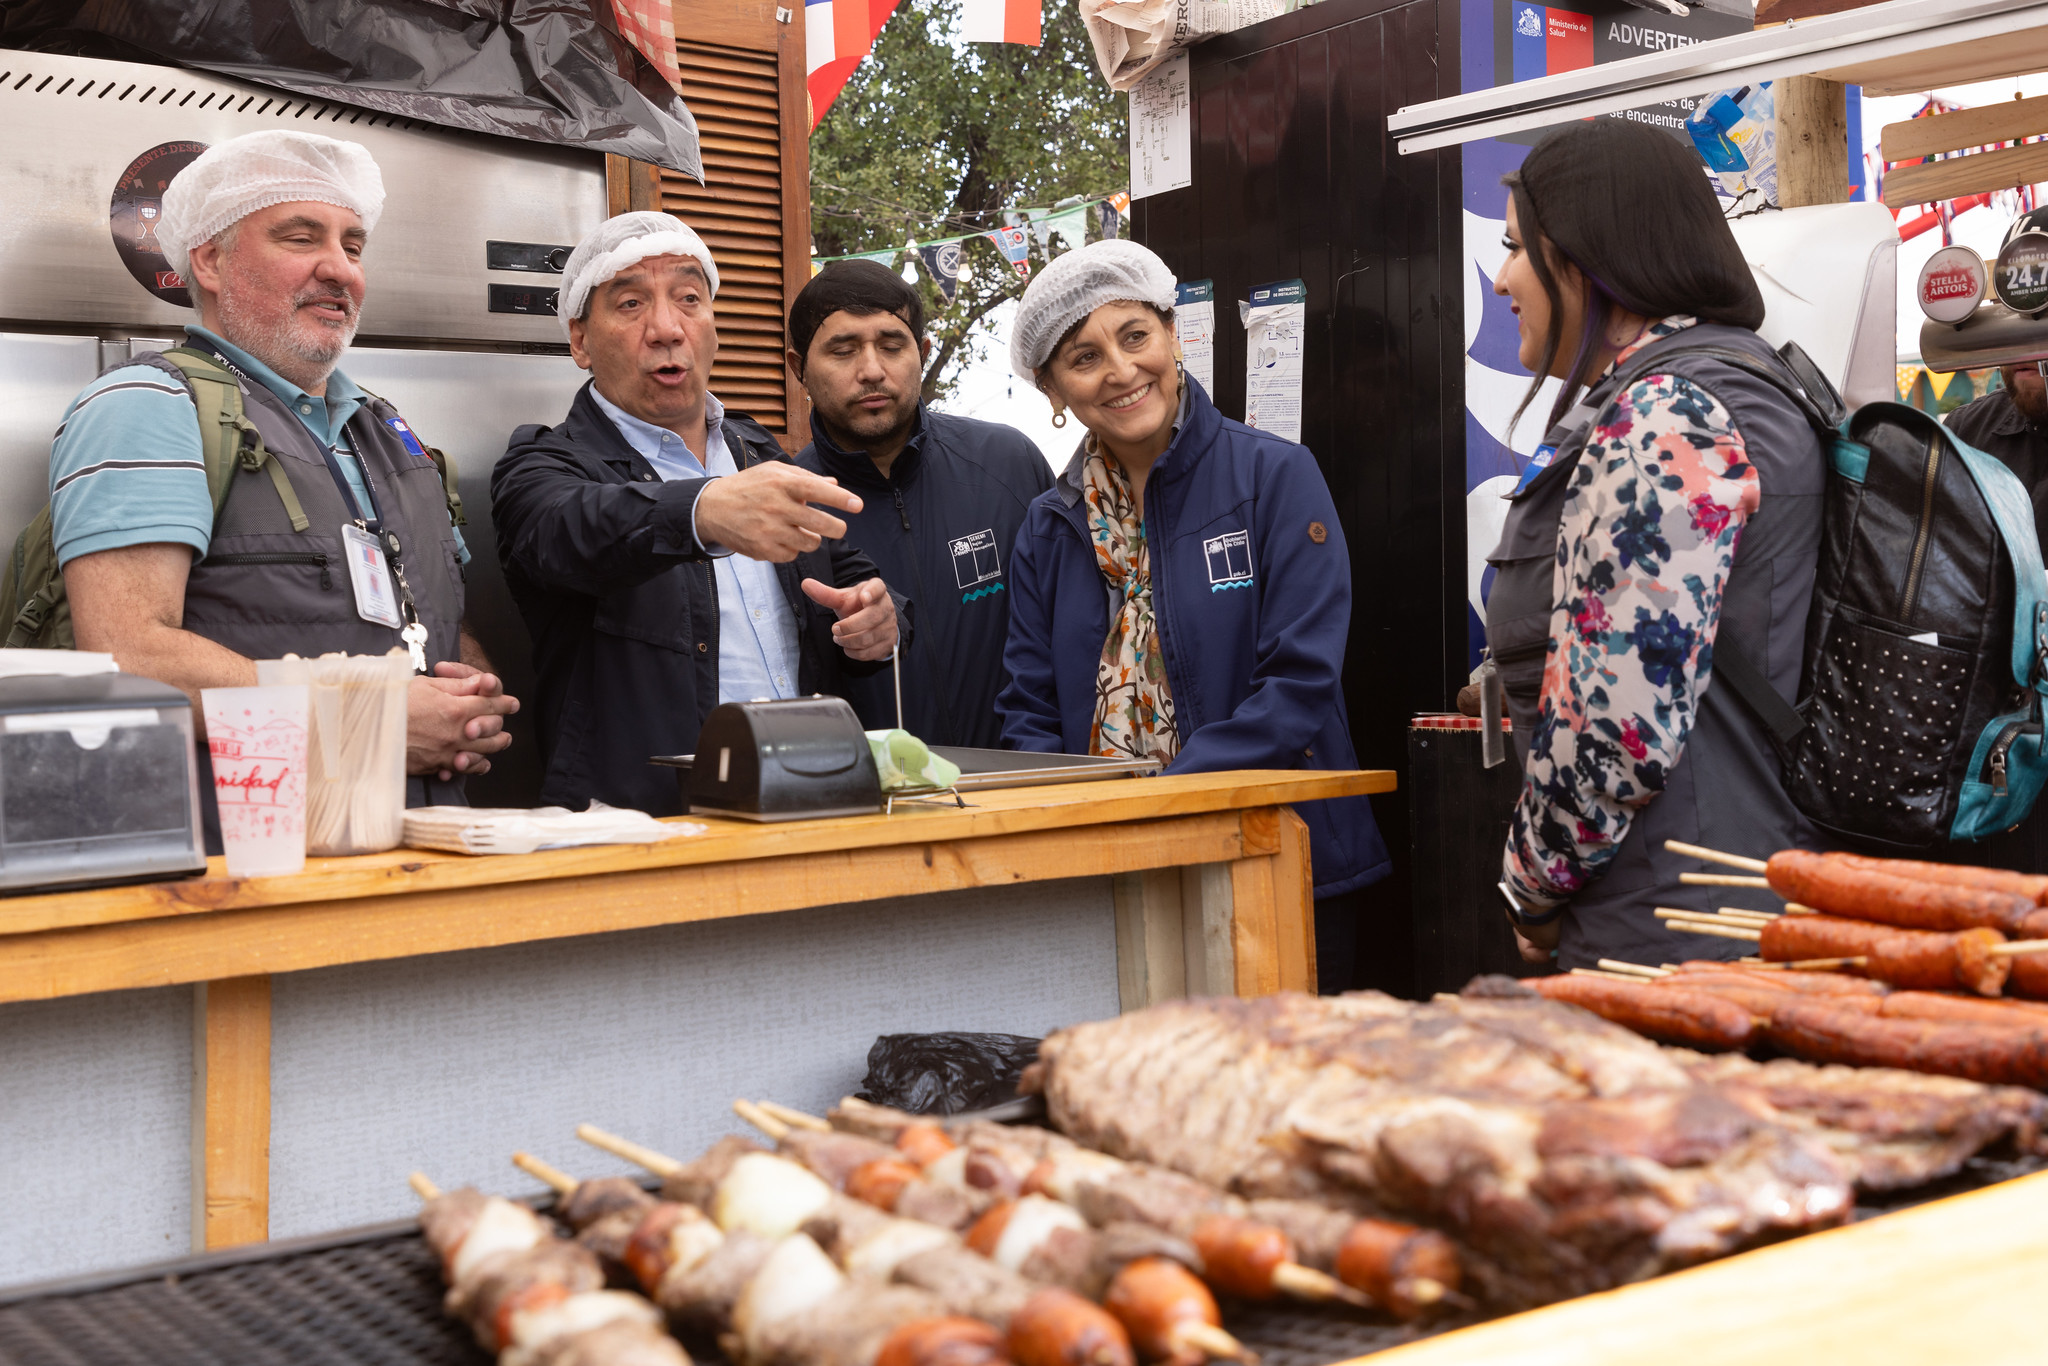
x=2006 y=1055
x=1157 y=1299
x=1836 y=886
x=531 y=1297
x=1674 y=1014
x=1407 y=1269
x=1045 y=1329
x=1926 y=959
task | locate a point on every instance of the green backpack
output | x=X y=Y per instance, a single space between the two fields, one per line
x=32 y=585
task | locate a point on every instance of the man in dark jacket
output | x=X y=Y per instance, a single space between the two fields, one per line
x=2011 y=423
x=944 y=496
x=664 y=552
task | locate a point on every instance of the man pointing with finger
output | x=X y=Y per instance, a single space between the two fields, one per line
x=665 y=553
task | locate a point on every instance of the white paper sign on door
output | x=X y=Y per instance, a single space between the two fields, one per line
x=1275 y=325
x=1162 y=156
x=1194 y=326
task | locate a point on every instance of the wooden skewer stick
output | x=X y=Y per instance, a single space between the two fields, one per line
x=1723 y=880
x=2019 y=946
x=1637 y=978
x=795 y=1119
x=1306 y=1283
x=1717 y=931
x=658 y=1163
x=554 y=1177
x=1674 y=914
x=761 y=1119
x=1748 y=865
x=1827 y=964
x=1211 y=1341
x=423 y=1188
x=1633 y=969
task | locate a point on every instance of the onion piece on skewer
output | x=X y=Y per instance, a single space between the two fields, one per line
x=768 y=1195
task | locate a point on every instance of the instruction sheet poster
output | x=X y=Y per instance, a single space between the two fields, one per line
x=1162 y=138
x=1275 y=324
x=1194 y=326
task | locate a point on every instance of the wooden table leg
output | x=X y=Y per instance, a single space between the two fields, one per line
x=230 y=1112
x=1272 y=921
x=1245 y=928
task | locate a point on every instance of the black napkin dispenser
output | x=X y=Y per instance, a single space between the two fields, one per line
x=791 y=760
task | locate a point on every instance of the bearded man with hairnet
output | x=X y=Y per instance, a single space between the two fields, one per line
x=666 y=554
x=343 y=539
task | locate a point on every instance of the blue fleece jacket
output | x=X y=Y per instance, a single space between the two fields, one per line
x=1251 y=584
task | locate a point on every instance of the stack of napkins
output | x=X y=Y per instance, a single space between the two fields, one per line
x=521 y=830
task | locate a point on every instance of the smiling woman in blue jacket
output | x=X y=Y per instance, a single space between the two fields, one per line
x=1182 y=592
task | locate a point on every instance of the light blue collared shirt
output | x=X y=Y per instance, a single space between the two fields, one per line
x=756 y=629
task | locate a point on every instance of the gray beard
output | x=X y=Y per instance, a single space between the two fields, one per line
x=278 y=346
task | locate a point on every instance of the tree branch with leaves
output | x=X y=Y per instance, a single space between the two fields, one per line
x=933 y=137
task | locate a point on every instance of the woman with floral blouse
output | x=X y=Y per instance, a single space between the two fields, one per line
x=1673 y=511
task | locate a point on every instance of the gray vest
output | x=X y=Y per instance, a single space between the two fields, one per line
x=264 y=590
x=1725 y=791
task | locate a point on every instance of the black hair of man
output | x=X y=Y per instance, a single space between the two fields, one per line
x=857 y=287
x=1631 y=208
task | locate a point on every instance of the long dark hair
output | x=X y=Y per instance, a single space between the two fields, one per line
x=1631 y=208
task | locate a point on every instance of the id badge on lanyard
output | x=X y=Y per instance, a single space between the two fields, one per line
x=370 y=576
x=1538 y=463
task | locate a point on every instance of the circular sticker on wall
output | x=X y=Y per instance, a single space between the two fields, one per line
x=1952 y=284
x=2020 y=278
x=137 y=207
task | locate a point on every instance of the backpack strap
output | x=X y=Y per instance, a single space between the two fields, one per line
x=226 y=435
x=443 y=462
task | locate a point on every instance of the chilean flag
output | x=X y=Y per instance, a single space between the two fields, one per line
x=837 y=34
x=1001 y=21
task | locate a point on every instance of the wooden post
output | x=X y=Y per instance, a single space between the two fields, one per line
x=1813 y=141
x=1151 y=956
x=1208 y=941
x=630 y=186
x=230 y=1112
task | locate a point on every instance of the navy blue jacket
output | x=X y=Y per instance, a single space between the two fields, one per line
x=1251 y=584
x=600 y=556
x=940 y=528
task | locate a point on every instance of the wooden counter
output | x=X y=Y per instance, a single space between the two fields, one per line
x=1210 y=876
x=1950 y=1281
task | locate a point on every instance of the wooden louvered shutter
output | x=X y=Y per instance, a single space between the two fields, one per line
x=743 y=80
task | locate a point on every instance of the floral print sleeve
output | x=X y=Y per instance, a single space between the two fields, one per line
x=1648 y=535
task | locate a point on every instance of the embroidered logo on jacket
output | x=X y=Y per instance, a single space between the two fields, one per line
x=977 y=569
x=1230 y=560
x=412 y=443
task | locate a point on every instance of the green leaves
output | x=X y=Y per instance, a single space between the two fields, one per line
x=933 y=137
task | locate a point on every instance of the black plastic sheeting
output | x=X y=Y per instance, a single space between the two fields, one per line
x=944 y=1074
x=542 y=70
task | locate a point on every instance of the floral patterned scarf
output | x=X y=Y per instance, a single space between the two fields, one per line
x=1133 y=704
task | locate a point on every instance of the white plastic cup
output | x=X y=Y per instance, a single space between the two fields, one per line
x=256 y=738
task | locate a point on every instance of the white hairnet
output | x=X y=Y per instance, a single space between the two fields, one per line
x=1077 y=284
x=234 y=179
x=623 y=241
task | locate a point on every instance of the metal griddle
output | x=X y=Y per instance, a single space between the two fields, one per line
x=984 y=770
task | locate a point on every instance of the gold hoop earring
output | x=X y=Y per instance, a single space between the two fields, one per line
x=1059 y=417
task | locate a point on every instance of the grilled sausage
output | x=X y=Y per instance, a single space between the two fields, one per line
x=1839 y=888
x=1926 y=959
x=1408 y=1269
x=2032 y=886
x=1671 y=1013
x=1959 y=1009
x=942 y=1342
x=1239 y=1256
x=1805 y=983
x=1815 y=1031
x=1059 y=1328
x=1163 y=1307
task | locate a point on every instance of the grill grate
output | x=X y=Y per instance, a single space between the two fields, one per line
x=373 y=1298
x=376 y=1301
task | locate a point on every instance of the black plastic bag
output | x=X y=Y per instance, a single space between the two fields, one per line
x=943 y=1074
x=542 y=70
